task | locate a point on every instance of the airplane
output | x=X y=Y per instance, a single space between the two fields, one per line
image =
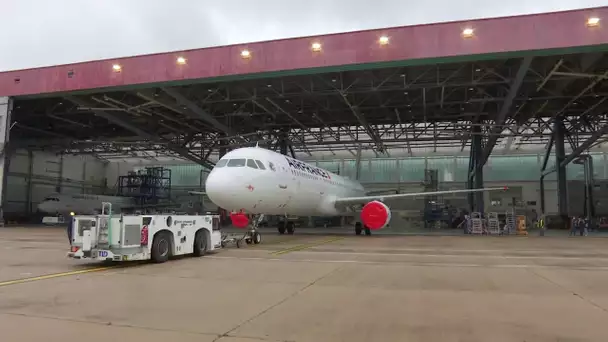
x=82 y=204
x=91 y=204
x=258 y=182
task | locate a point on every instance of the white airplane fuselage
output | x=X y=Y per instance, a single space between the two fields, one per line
x=284 y=186
x=81 y=204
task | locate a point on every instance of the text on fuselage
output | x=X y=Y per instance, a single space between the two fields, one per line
x=298 y=165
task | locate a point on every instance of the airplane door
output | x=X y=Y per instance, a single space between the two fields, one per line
x=293 y=184
x=285 y=183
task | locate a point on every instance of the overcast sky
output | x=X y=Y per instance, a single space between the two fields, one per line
x=47 y=32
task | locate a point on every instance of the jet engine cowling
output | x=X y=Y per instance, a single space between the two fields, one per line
x=375 y=215
x=239 y=220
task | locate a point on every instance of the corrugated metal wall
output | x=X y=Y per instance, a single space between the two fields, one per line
x=34 y=175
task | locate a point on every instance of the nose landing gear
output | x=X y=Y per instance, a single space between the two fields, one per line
x=251 y=236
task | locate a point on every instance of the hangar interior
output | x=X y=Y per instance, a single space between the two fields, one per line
x=467 y=122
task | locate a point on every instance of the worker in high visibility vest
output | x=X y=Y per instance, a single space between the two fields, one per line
x=541 y=225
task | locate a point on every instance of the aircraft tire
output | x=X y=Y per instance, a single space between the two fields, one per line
x=161 y=248
x=358 y=228
x=291 y=227
x=368 y=231
x=281 y=228
x=200 y=243
x=256 y=238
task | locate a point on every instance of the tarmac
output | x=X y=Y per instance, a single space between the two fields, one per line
x=312 y=287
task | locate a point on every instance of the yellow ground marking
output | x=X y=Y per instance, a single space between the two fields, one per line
x=306 y=246
x=56 y=275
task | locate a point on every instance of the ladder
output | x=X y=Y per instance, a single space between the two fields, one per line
x=476 y=223
x=493 y=223
x=510 y=222
x=104 y=231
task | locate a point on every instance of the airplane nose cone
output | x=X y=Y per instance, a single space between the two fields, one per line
x=221 y=187
x=43 y=207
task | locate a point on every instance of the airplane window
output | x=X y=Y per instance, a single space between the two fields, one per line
x=260 y=165
x=251 y=163
x=237 y=162
x=221 y=163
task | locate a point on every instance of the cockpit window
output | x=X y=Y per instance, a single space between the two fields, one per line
x=251 y=163
x=236 y=162
x=260 y=165
x=221 y=163
x=54 y=199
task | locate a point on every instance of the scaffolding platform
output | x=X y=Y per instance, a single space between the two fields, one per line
x=151 y=185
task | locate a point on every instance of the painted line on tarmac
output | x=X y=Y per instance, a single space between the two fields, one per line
x=306 y=246
x=56 y=275
x=458 y=255
x=413 y=264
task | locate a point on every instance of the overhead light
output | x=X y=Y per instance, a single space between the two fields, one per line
x=383 y=40
x=593 y=21
x=116 y=67
x=181 y=60
x=245 y=54
x=467 y=32
x=316 y=47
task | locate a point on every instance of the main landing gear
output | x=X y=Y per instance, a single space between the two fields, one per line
x=288 y=226
x=359 y=229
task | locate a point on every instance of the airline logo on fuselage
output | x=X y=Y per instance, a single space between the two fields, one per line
x=298 y=165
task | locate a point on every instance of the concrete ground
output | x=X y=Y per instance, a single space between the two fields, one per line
x=313 y=288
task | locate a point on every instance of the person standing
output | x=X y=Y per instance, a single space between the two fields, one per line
x=573 y=226
x=541 y=225
x=584 y=226
x=70 y=226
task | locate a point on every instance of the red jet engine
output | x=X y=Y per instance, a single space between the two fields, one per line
x=375 y=215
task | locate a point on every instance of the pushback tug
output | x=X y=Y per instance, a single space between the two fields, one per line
x=142 y=237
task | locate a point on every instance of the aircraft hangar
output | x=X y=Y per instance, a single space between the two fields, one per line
x=449 y=105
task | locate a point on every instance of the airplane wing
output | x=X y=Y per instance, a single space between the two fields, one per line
x=365 y=199
x=382 y=192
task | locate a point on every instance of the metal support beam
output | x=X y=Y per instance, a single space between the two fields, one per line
x=6 y=109
x=358 y=163
x=479 y=163
x=200 y=113
x=131 y=127
x=542 y=177
x=283 y=141
x=547 y=153
x=223 y=150
x=29 y=184
x=506 y=107
x=560 y=155
x=370 y=131
x=584 y=146
x=470 y=177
